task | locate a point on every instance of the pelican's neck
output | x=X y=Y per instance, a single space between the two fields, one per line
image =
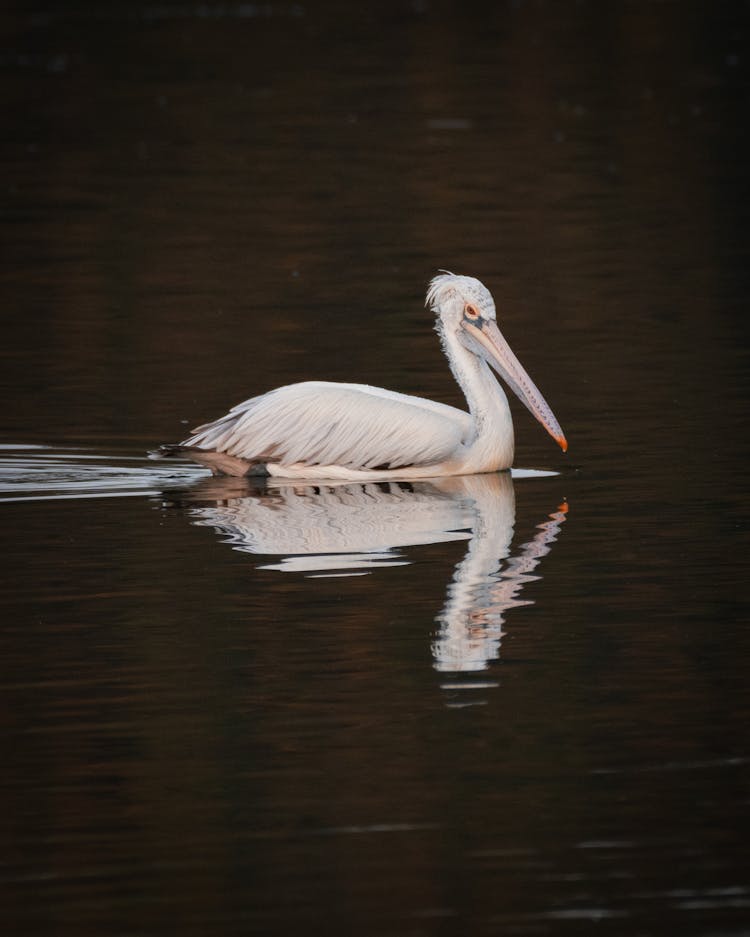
x=484 y=395
x=488 y=405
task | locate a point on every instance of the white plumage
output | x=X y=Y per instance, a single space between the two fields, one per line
x=351 y=425
x=319 y=429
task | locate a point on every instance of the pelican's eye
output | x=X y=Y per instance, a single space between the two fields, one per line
x=471 y=312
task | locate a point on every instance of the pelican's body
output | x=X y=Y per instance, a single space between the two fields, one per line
x=318 y=429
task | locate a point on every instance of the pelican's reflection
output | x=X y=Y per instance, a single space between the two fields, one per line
x=349 y=528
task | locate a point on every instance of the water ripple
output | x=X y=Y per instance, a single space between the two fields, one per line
x=41 y=473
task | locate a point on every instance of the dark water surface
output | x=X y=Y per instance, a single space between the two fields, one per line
x=489 y=705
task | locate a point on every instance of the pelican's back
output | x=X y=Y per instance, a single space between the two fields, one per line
x=350 y=425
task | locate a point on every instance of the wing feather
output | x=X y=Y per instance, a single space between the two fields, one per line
x=353 y=425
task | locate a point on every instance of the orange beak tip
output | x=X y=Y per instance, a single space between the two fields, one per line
x=563 y=443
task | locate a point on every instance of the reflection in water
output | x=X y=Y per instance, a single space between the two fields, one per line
x=348 y=529
x=484 y=587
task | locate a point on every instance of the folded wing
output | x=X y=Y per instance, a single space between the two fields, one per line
x=353 y=425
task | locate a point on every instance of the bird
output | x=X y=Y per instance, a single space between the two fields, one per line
x=356 y=432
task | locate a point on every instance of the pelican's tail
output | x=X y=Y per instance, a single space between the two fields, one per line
x=220 y=463
x=167 y=452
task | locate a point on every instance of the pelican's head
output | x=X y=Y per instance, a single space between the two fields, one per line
x=464 y=308
x=449 y=295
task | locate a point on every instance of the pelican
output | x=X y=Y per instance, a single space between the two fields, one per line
x=319 y=429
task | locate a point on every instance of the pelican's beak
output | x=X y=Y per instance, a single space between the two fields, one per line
x=497 y=353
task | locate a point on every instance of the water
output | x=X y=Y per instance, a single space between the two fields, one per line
x=469 y=706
